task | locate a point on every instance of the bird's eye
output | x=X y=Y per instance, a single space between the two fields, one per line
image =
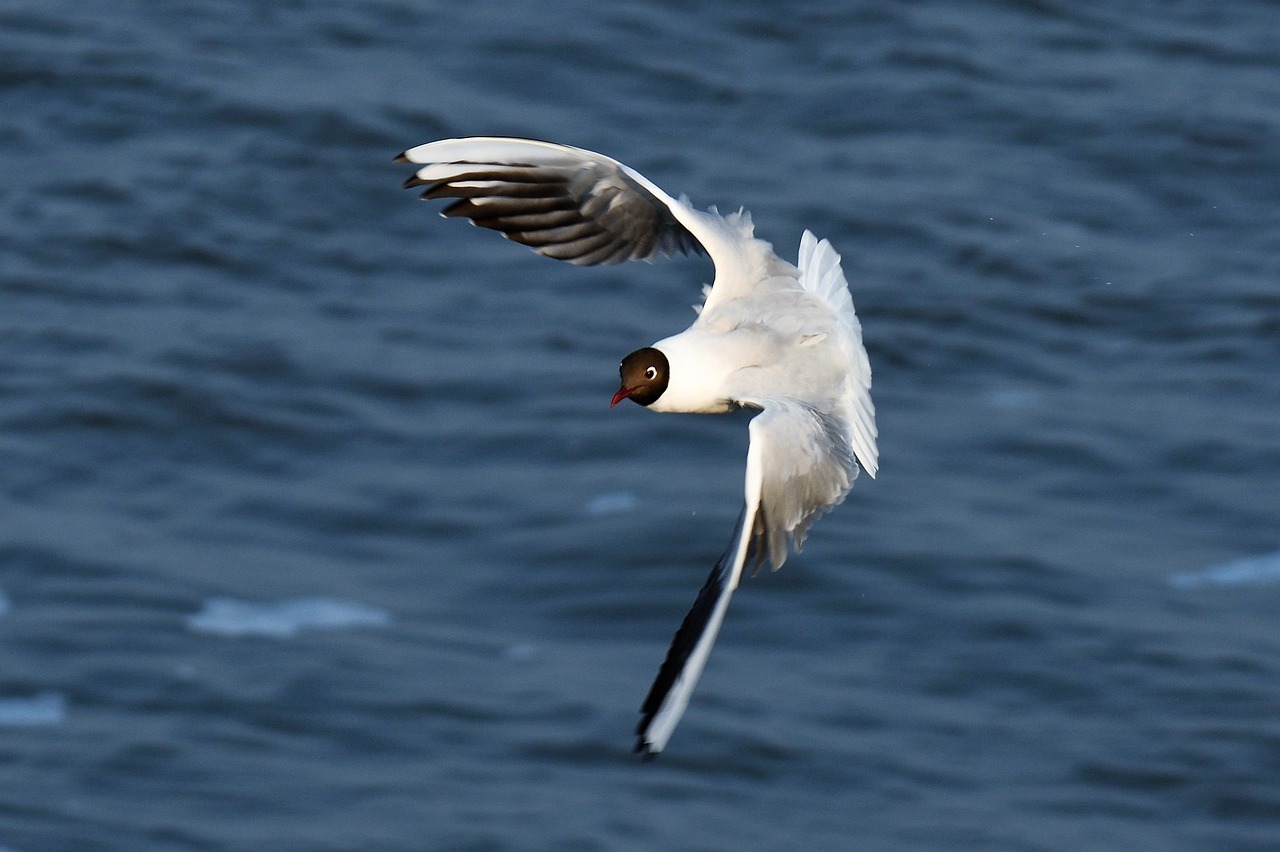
x=651 y=373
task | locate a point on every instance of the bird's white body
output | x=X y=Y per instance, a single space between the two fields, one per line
x=716 y=360
x=769 y=335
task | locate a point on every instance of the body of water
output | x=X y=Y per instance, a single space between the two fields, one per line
x=319 y=534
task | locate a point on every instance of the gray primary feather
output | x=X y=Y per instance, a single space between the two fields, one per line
x=587 y=210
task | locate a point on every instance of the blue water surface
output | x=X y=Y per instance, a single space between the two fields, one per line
x=319 y=533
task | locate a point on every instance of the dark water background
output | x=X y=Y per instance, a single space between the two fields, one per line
x=318 y=533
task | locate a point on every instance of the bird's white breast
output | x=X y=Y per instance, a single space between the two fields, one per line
x=702 y=364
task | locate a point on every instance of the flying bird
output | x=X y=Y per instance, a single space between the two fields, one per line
x=770 y=336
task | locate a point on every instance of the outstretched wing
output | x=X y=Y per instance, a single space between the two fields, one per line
x=669 y=695
x=563 y=202
x=799 y=465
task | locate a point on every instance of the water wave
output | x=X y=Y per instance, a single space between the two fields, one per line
x=282 y=619
x=1250 y=571
x=44 y=708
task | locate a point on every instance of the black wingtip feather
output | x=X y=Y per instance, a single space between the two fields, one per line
x=639 y=225
x=686 y=638
x=681 y=647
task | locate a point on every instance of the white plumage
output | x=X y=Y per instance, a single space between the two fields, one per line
x=769 y=335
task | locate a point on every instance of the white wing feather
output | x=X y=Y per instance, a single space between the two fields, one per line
x=820 y=274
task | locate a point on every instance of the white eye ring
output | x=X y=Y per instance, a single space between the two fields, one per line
x=651 y=373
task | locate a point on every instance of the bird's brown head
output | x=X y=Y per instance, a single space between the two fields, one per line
x=645 y=374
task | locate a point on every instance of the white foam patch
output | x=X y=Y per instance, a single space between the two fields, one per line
x=521 y=652
x=612 y=504
x=45 y=708
x=230 y=617
x=1250 y=571
x=1013 y=400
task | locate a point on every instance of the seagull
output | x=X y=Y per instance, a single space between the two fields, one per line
x=770 y=336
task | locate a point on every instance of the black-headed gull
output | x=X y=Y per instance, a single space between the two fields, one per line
x=770 y=336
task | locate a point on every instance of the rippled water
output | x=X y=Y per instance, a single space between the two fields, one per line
x=319 y=533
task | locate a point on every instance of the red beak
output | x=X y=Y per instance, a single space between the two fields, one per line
x=623 y=393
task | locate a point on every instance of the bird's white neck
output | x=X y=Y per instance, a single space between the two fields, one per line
x=701 y=365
